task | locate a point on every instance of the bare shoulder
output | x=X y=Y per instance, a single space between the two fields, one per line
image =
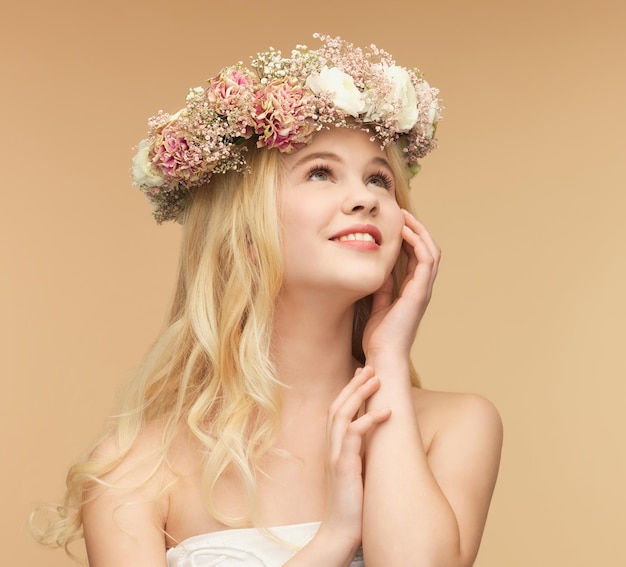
x=445 y=413
x=140 y=461
x=463 y=438
x=126 y=508
x=447 y=409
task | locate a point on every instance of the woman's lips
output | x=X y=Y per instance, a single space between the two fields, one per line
x=360 y=237
x=361 y=232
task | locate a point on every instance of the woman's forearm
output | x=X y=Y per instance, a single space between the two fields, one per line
x=407 y=519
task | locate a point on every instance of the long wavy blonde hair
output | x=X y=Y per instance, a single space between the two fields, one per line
x=210 y=370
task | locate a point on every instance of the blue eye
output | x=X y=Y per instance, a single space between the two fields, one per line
x=382 y=179
x=319 y=173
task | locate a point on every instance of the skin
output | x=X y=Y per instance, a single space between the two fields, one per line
x=406 y=471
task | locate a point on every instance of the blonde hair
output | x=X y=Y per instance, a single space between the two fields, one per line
x=211 y=369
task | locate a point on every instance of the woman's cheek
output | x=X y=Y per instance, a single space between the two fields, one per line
x=398 y=225
x=395 y=233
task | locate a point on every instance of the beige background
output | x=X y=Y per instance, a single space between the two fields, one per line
x=526 y=195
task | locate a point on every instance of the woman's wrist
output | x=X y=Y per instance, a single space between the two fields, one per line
x=392 y=363
x=395 y=390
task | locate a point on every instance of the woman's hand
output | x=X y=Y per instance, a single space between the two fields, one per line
x=392 y=324
x=345 y=431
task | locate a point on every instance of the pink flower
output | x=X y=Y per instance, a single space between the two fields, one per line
x=231 y=89
x=171 y=154
x=283 y=113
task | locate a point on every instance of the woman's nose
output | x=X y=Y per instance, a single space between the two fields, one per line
x=360 y=199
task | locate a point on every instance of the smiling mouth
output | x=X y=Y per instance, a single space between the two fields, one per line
x=353 y=236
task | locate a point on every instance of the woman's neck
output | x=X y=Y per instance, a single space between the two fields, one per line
x=312 y=348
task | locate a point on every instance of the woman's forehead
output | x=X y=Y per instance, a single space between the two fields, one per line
x=340 y=143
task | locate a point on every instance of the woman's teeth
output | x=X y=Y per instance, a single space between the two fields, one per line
x=357 y=236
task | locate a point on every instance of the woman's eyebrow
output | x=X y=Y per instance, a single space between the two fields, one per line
x=381 y=161
x=378 y=160
x=318 y=155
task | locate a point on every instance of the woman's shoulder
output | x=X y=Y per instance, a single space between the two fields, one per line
x=455 y=418
x=139 y=466
x=453 y=403
x=135 y=455
x=127 y=503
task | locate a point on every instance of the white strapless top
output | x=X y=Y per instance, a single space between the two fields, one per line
x=248 y=547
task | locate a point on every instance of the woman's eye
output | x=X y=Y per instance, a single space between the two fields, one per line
x=319 y=174
x=381 y=179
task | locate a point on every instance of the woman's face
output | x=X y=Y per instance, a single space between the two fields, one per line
x=340 y=220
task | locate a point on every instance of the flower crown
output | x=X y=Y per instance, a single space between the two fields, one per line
x=281 y=102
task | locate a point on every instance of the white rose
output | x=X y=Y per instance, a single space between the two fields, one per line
x=403 y=91
x=402 y=99
x=143 y=173
x=346 y=96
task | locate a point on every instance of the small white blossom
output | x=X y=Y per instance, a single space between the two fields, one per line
x=425 y=91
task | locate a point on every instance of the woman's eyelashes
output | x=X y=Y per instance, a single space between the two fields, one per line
x=319 y=173
x=382 y=179
x=325 y=173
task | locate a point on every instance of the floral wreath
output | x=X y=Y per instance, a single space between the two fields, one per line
x=281 y=102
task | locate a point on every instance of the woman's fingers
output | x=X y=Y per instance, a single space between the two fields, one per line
x=422 y=266
x=418 y=228
x=361 y=375
x=423 y=254
x=417 y=237
x=345 y=427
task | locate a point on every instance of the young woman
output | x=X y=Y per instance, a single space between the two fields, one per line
x=277 y=420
